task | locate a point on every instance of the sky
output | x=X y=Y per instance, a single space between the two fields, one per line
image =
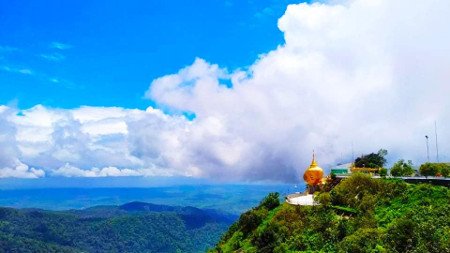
x=221 y=90
x=67 y=54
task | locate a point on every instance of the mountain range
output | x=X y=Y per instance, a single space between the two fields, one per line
x=131 y=227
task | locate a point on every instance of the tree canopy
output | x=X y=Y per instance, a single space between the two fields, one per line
x=133 y=227
x=372 y=160
x=435 y=169
x=402 y=169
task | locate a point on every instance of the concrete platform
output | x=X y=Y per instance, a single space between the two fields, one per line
x=301 y=199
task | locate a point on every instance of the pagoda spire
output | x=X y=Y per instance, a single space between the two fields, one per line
x=313 y=162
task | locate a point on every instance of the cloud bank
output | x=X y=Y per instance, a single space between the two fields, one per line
x=367 y=74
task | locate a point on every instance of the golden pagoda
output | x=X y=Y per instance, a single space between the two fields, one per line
x=314 y=174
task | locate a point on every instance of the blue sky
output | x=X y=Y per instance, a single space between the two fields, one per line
x=327 y=76
x=103 y=53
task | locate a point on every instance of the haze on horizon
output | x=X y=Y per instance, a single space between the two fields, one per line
x=367 y=74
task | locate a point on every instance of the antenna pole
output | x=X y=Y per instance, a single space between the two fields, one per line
x=437 y=149
x=353 y=154
x=428 y=149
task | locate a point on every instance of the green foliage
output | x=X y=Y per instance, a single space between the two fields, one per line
x=372 y=160
x=362 y=241
x=110 y=229
x=250 y=220
x=383 y=172
x=401 y=235
x=266 y=239
x=360 y=214
x=324 y=198
x=402 y=169
x=271 y=201
x=445 y=170
x=434 y=169
x=333 y=176
x=351 y=191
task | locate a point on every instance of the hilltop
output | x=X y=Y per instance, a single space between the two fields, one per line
x=132 y=227
x=360 y=214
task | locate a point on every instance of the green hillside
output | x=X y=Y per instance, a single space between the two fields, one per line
x=360 y=214
x=133 y=227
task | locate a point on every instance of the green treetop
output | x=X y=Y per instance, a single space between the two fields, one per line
x=402 y=169
x=372 y=160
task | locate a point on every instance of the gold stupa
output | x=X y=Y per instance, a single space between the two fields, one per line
x=314 y=174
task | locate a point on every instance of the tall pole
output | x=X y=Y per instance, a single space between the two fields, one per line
x=437 y=149
x=353 y=155
x=428 y=149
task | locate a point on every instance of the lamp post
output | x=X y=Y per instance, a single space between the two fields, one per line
x=428 y=149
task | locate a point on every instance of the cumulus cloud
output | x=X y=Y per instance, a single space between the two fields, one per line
x=367 y=74
x=88 y=141
x=20 y=170
x=10 y=165
x=70 y=171
x=371 y=73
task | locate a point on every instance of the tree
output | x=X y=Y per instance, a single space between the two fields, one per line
x=266 y=240
x=401 y=235
x=364 y=240
x=333 y=176
x=271 y=201
x=250 y=220
x=383 y=172
x=445 y=170
x=324 y=198
x=434 y=169
x=350 y=191
x=372 y=160
x=402 y=168
x=428 y=169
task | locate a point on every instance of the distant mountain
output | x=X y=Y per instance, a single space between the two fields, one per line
x=137 y=206
x=132 y=227
x=230 y=198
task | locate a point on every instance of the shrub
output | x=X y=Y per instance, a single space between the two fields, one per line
x=250 y=220
x=266 y=240
x=383 y=172
x=352 y=189
x=363 y=240
x=400 y=235
x=402 y=169
x=324 y=198
x=433 y=169
x=445 y=170
x=271 y=201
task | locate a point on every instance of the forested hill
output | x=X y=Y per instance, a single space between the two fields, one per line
x=360 y=214
x=133 y=227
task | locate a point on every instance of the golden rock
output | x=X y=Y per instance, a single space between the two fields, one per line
x=314 y=174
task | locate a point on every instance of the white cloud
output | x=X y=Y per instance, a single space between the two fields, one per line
x=10 y=165
x=21 y=170
x=55 y=57
x=371 y=73
x=22 y=71
x=60 y=46
x=80 y=141
x=70 y=171
x=368 y=72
